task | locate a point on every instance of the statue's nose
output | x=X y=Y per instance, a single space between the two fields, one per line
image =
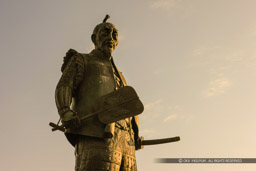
x=110 y=37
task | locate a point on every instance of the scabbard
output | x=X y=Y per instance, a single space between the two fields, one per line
x=141 y=142
x=160 y=141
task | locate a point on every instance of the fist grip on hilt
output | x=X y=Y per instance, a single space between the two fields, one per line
x=70 y=120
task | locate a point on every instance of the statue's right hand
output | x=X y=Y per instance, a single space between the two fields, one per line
x=70 y=120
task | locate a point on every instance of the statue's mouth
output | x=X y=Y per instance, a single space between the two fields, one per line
x=110 y=44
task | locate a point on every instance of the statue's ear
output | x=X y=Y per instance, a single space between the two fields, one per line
x=93 y=37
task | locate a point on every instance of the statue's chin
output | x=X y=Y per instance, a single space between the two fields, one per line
x=107 y=51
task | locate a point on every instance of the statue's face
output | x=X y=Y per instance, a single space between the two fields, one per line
x=106 y=38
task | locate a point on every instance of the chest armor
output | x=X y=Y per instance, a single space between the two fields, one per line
x=98 y=81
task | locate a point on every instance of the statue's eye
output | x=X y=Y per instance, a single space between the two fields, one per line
x=114 y=35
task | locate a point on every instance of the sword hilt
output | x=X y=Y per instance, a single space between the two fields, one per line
x=56 y=127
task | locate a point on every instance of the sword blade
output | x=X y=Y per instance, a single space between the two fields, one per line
x=160 y=141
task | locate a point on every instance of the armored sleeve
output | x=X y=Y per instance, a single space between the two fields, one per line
x=71 y=77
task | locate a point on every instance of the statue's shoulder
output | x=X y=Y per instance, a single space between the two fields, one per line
x=69 y=55
x=73 y=55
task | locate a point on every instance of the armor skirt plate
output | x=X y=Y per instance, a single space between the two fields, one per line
x=114 y=154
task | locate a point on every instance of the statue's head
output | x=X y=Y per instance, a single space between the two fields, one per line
x=105 y=37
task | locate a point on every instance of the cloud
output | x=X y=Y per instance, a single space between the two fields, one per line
x=204 y=50
x=153 y=109
x=159 y=109
x=237 y=56
x=164 y=4
x=217 y=87
x=176 y=116
x=153 y=104
x=170 y=117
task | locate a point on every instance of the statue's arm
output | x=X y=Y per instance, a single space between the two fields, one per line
x=67 y=87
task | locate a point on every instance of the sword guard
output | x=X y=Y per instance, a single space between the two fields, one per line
x=56 y=127
x=139 y=143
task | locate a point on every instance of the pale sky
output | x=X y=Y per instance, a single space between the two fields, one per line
x=193 y=64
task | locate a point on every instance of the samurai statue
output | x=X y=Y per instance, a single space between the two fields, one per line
x=86 y=78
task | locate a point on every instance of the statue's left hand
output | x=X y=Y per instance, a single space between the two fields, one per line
x=70 y=120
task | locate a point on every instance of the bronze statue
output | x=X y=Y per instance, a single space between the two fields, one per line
x=86 y=77
x=102 y=123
